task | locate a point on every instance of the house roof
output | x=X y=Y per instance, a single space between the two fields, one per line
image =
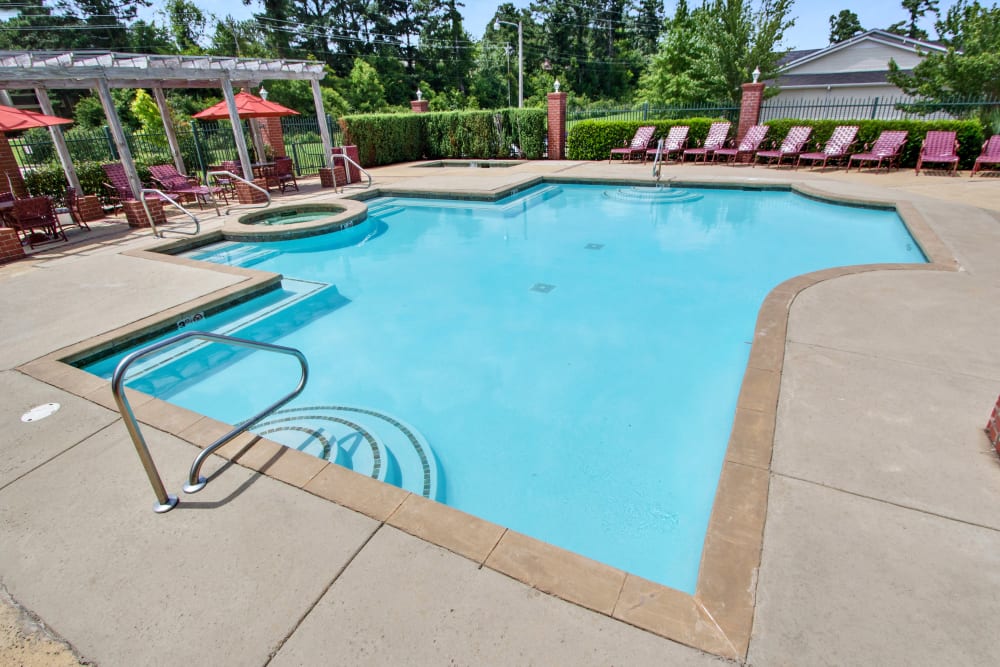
x=795 y=58
x=832 y=79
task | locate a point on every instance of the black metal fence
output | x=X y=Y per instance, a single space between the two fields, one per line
x=202 y=145
x=879 y=108
x=648 y=112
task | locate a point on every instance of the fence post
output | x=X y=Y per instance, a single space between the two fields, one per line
x=329 y=125
x=875 y=107
x=295 y=158
x=197 y=151
x=645 y=110
x=111 y=143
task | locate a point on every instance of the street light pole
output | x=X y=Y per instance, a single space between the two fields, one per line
x=520 y=59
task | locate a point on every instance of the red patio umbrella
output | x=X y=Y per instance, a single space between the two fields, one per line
x=247 y=106
x=12 y=119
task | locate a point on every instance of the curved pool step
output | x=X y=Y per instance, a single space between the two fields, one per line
x=367 y=441
x=653 y=195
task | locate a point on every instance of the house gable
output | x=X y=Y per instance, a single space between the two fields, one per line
x=867 y=52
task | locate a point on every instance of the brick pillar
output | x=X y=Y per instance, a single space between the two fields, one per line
x=136 y=214
x=419 y=106
x=10 y=244
x=557 y=126
x=273 y=135
x=11 y=171
x=331 y=178
x=753 y=95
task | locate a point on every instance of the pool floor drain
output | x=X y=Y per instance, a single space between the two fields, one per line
x=594 y=246
x=40 y=412
x=544 y=288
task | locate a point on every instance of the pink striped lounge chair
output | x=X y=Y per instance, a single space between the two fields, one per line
x=790 y=148
x=673 y=144
x=836 y=146
x=989 y=156
x=939 y=146
x=748 y=146
x=715 y=140
x=886 y=149
x=640 y=143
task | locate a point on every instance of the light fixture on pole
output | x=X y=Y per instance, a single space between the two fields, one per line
x=263 y=92
x=756 y=74
x=520 y=59
x=420 y=94
x=556 y=85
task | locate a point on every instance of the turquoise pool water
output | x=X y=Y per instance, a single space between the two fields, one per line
x=564 y=362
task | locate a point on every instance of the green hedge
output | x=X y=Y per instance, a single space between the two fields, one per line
x=50 y=180
x=390 y=138
x=970 y=135
x=594 y=139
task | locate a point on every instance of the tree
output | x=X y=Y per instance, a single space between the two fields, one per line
x=917 y=9
x=971 y=65
x=844 y=25
x=365 y=92
x=680 y=73
x=743 y=39
x=187 y=25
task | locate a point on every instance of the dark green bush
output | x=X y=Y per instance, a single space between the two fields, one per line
x=389 y=138
x=594 y=139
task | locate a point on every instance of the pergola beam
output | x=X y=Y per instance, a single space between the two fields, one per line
x=118 y=135
x=59 y=140
x=168 y=127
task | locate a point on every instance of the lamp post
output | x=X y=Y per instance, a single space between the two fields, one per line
x=520 y=59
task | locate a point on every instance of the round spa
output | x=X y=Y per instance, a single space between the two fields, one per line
x=295 y=221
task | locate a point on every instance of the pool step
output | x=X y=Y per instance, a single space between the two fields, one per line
x=367 y=441
x=653 y=195
x=384 y=210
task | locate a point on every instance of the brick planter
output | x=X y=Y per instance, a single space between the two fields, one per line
x=248 y=195
x=90 y=208
x=10 y=245
x=136 y=214
x=326 y=177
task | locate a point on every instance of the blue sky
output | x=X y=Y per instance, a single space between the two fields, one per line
x=811 y=30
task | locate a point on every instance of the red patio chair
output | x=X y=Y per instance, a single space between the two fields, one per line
x=36 y=221
x=73 y=206
x=640 y=142
x=715 y=140
x=989 y=156
x=119 y=189
x=886 y=149
x=673 y=143
x=748 y=146
x=836 y=146
x=284 y=174
x=939 y=146
x=175 y=183
x=791 y=147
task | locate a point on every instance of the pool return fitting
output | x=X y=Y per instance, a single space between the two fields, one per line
x=164 y=501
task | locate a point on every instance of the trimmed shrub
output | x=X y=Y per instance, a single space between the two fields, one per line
x=594 y=139
x=389 y=138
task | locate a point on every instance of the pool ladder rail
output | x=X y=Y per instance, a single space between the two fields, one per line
x=164 y=501
x=228 y=174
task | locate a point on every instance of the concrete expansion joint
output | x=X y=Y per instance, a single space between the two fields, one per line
x=971 y=524
x=902 y=362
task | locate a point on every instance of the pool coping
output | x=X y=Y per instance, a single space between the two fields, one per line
x=717 y=619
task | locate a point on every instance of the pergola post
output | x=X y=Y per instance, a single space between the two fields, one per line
x=168 y=127
x=5 y=98
x=234 y=119
x=324 y=131
x=59 y=140
x=118 y=135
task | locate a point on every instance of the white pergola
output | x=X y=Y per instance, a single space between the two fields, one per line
x=104 y=70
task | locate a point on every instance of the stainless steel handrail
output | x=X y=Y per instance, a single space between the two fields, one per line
x=348 y=160
x=164 y=195
x=166 y=502
x=250 y=183
x=657 y=161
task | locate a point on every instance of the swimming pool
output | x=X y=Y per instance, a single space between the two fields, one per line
x=567 y=359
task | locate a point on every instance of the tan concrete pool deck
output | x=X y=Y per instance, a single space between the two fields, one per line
x=877 y=539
